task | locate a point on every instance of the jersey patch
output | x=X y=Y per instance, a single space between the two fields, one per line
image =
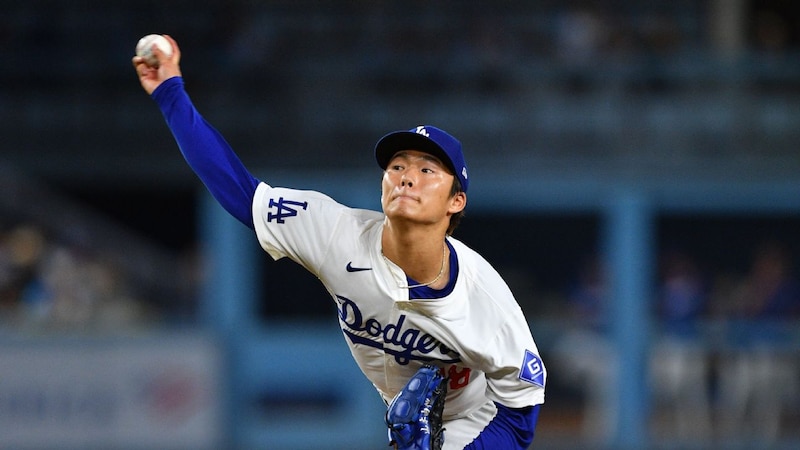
x=532 y=369
x=285 y=208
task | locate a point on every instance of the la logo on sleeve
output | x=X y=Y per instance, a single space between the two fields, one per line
x=532 y=369
x=284 y=209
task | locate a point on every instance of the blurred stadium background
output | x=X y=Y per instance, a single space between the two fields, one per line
x=636 y=179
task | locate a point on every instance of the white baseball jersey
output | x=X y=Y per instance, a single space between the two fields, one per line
x=475 y=332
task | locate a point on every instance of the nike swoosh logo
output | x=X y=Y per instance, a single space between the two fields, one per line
x=350 y=268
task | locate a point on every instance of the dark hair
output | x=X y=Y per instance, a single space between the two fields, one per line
x=455 y=219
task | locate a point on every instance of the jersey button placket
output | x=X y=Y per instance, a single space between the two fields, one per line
x=389 y=361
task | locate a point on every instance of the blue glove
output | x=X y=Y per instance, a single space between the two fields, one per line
x=414 y=416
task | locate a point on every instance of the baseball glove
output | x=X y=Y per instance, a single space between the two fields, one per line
x=414 y=416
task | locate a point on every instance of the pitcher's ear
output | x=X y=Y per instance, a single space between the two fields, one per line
x=458 y=202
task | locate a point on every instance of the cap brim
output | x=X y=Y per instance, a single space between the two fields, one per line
x=392 y=143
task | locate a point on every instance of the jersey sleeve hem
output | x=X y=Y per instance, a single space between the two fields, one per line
x=258 y=223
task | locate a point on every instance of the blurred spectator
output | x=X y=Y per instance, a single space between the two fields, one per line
x=770 y=290
x=491 y=51
x=21 y=249
x=661 y=39
x=584 y=354
x=588 y=296
x=45 y=284
x=683 y=296
x=581 y=35
x=254 y=43
x=681 y=362
x=771 y=32
x=759 y=373
x=581 y=38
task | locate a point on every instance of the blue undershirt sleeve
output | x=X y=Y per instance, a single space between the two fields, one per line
x=207 y=152
x=511 y=429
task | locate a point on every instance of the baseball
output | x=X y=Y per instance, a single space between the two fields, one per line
x=145 y=48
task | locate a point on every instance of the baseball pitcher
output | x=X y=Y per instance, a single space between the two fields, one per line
x=430 y=323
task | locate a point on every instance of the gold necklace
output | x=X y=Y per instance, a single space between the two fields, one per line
x=441 y=269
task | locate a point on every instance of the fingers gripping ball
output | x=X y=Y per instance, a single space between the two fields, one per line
x=414 y=416
x=145 y=48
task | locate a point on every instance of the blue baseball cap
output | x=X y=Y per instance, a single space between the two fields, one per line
x=428 y=139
